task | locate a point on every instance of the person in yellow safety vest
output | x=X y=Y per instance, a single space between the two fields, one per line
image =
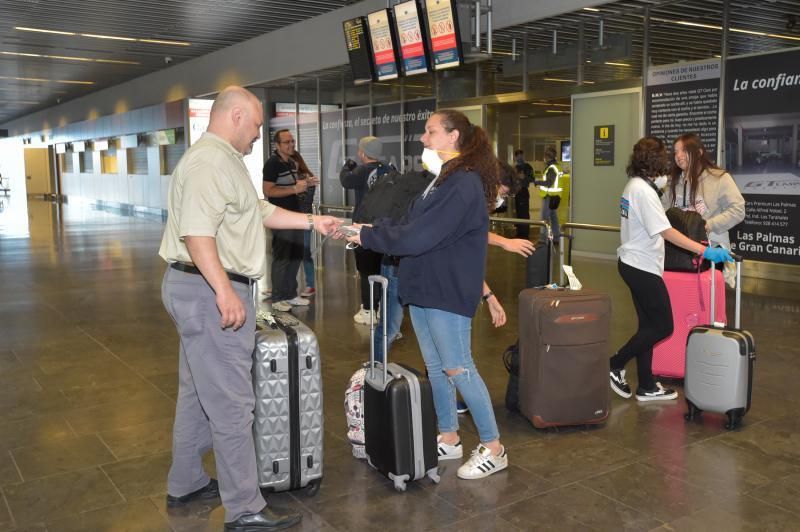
x=550 y=191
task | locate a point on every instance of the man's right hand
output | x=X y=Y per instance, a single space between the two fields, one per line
x=231 y=309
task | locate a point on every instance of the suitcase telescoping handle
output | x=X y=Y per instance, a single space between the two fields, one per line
x=738 y=312
x=384 y=322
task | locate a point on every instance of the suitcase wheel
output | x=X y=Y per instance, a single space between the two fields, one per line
x=399 y=481
x=313 y=487
x=693 y=411
x=734 y=418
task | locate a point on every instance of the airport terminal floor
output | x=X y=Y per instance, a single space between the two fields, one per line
x=88 y=379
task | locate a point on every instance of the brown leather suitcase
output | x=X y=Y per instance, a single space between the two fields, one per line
x=563 y=343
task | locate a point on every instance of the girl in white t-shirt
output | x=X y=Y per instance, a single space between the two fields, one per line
x=643 y=228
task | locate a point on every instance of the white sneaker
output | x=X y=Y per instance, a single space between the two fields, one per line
x=483 y=463
x=282 y=306
x=447 y=451
x=298 y=302
x=659 y=393
x=362 y=316
x=308 y=291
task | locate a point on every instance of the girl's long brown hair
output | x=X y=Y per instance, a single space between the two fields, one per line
x=475 y=153
x=699 y=162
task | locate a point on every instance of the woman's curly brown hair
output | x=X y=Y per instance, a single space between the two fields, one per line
x=649 y=158
x=475 y=153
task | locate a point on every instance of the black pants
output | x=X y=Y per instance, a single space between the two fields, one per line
x=368 y=263
x=287 y=255
x=522 y=204
x=651 y=299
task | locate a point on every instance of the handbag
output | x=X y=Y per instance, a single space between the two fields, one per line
x=691 y=224
x=553 y=202
x=511 y=362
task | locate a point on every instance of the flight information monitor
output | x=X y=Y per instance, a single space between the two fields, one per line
x=411 y=34
x=355 y=34
x=443 y=29
x=384 y=44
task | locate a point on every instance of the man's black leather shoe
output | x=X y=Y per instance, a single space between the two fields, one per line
x=266 y=519
x=209 y=491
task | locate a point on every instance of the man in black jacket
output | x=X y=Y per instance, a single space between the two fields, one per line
x=360 y=178
x=522 y=198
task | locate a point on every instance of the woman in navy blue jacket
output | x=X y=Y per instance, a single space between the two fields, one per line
x=443 y=243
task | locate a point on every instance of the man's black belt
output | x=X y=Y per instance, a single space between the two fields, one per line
x=188 y=268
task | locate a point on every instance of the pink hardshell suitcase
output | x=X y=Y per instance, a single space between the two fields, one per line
x=690 y=296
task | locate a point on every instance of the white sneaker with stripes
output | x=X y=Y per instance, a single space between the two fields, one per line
x=449 y=452
x=483 y=463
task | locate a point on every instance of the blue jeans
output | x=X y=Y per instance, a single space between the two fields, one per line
x=394 y=311
x=444 y=339
x=308 y=261
x=549 y=215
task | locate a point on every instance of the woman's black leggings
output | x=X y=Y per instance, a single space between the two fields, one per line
x=651 y=299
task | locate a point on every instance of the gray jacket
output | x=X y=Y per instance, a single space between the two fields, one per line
x=724 y=207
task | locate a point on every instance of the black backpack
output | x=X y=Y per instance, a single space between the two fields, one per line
x=391 y=195
x=691 y=224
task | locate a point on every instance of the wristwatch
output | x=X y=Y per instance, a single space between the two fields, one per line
x=487 y=295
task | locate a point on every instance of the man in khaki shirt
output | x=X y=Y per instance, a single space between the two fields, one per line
x=214 y=243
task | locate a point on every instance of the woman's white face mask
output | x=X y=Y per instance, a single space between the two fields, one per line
x=432 y=161
x=499 y=201
x=660 y=182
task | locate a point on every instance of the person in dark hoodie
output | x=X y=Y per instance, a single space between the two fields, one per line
x=442 y=243
x=360 y=178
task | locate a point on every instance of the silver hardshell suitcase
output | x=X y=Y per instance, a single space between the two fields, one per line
x=719 y=364
x=288 y=413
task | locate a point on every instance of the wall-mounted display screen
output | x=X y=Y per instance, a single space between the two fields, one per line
x=410 y=33
x=101 y=145
x=355 y=34
x=79 y=146
x=165 y=136
x=384 y=44
x=566 y=151
x=129 y=141
x=61 y=148
x=443 y=29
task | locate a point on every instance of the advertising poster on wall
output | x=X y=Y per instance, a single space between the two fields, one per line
x=383 y=45
x=762 y=110
x=385 y=120
x=684 y=98
x=409 y=32
x=443 y=31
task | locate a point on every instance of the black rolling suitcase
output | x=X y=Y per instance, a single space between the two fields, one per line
x=719 y=364
x=399 y=418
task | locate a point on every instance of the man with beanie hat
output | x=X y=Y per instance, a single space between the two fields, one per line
x=360 y=178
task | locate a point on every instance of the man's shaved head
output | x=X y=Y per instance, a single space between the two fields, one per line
x=236 y=116
x=231 y=97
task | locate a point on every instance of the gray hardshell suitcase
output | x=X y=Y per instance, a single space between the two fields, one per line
x=399 y=417
x=288 y=413
x=719 y=365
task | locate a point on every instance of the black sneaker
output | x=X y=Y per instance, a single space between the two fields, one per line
x=209 y=491
x=619 y=384
x=461 y=407
x=659 y=393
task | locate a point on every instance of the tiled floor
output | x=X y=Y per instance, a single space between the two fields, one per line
x=88 y=381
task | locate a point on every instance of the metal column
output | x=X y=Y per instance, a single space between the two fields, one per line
x=726 y=12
